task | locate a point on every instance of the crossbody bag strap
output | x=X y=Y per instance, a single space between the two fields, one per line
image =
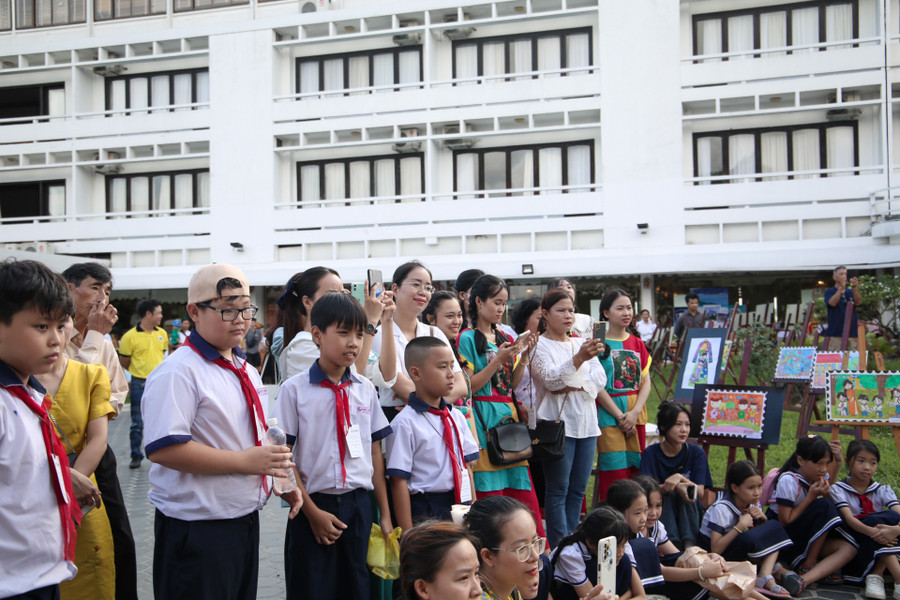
x=62 y=433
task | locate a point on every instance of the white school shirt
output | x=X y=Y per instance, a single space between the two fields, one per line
x=307 y=413
x=189 y=398
x=552 y=369
x=31 y=536
x=788 y=491
x=720 y=517
x=298 y=355
x=418 y=453
x=571 y=566
x=658 y=534
x=881 y=495
x=387 y=397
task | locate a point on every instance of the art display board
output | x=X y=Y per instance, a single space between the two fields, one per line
x=795 y=363
x=832 y=361
x=737 y=412
x=863 y=396
x=701 y=361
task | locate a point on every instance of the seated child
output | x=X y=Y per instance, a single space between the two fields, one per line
x=334 y=425
x=428 y=454
x=736 y=528
x=575 y=559
x=870 y=509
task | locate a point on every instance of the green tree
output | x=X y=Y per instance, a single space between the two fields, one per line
x=881 y=304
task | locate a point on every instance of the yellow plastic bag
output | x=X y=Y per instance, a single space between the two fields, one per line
x=383 y=556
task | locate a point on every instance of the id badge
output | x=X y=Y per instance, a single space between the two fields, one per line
x=465 y=487
x=532 y=416
x=59 y=477
x=354 y=442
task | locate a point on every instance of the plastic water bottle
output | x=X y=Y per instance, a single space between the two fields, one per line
x=276 y=437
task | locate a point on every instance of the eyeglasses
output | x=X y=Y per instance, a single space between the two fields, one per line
x=523 y=553
x=230 y=314
x=417 y=285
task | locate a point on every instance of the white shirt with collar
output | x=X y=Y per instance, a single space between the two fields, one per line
x=298 y=355
x=307 y=413
x=418 y=453
x=31 y=536
x=386 y=394
x=190 y=398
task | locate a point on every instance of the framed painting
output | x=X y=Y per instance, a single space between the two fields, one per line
x=743 y=412
x=863 y=396
x=795 y=364
x=701 y=361
x=832 y=361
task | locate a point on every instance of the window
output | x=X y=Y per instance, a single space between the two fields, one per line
x=517 y=170
x=375 y=68
x=521 y=53
x=32 y=199
x=157 y=192
x=5 y=15
x=157 y=92
x=785 y=25
x=120 y=9
x=44 y=13
x=32 y=101
x=185 y=5
x=382 y=177
x=777 y=150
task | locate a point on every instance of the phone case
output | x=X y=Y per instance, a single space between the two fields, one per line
x=606 y=564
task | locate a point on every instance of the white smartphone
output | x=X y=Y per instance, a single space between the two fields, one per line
x=606 y=564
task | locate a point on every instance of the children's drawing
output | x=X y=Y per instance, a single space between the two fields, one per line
x=702 y=366
x=862 y=396
x=734 y=413
x=795 y=363
x=832 y=361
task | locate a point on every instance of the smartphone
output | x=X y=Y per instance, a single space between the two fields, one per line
x=376 y=279
x=692 y=493
x=606 y=564
x=358 y=291
x=600 y=331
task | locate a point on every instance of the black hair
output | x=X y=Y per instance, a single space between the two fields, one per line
x=649 y=484
x=557 y=283
x=466 y=279
x=293 y=312
x=488 y=515
x=522 y=312
x=423 y=552
x=598 y=524
x=738 y=473
x=418 y=348
x=644 y=310
x=436 y=299
x=147 y=305
x=550 y=300
x=337 y=309
x=405 y=269
x=857 y=446
x=691 y=296
x=29 y=284
x=486 y=287
x=667 y=416
x=622 y=493
x=78 y=272
x=838 y=268
x=812 y=448
x=227 y=283
x=608 y=298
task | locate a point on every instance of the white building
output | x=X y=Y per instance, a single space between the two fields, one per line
x=571 y=137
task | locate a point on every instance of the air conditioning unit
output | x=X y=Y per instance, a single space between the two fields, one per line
x=409 y=23
x=460 y=143
x=109 y=168
x=408 y=39
x=37 y=247
x=458 y=33
x=844 y=114
x=404 y=147
x=109 y=70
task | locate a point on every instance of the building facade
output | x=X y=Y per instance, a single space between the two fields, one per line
x=529 y=138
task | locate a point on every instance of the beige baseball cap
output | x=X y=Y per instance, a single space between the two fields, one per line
x=204 y=284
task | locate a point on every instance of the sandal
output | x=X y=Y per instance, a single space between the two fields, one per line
x=834 y=578
x=793 y=583
x=776 y=591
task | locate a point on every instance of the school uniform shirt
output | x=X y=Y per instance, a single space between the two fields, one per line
x=723 y=515
x=571 y=566
x=418 y=452
x=190 y=398
x=649 y=568
x=307 y=413
x=880 y=495
x=658 y=533
x=387 y=397
x=31 y=535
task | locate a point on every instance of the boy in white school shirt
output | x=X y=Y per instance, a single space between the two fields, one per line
x=204 y=419
x=335 y=425
x=432 y=446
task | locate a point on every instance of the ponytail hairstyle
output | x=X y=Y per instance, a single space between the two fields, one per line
x=293 y=313
x=622 y=494
x=488 y=515
x=423 y=552
x=485 y=288
x=738 y=473
x=812 y=448
x=600 y=523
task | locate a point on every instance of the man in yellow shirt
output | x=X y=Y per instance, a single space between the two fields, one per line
x=141 y=350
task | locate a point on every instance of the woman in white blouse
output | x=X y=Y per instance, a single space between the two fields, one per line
x=567 y=381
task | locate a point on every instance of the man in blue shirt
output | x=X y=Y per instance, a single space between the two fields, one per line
x=836 y=299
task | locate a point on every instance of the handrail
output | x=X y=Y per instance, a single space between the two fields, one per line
x=792 y=49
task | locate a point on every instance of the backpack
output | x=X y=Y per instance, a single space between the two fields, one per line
x=768 y=486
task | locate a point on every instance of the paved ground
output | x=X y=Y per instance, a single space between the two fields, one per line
x=271 y=572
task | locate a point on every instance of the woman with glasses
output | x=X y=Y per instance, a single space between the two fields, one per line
x=412 y=291
x=511 y=548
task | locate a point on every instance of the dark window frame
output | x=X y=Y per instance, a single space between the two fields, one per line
x=43 y=102
x=73 y=6
x=535 y=148
x=149 y=76
x=346 y=162
x=346 y=56
x=195 y=192
x=757 y=132
x=176 y=10
x=43 y=201
x=113 y=5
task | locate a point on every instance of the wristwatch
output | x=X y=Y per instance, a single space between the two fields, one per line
x=370 y=329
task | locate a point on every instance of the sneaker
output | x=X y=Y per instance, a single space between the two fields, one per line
x=896 y=591
x=875 y=587
x=136 y=464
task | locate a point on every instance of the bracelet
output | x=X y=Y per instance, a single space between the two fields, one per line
x=700 y=573
x=736 y=529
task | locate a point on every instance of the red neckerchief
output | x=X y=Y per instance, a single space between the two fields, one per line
x=250 y=394
x=342 y=410
x=865 y=505
x=449 y=431
x=69 y=511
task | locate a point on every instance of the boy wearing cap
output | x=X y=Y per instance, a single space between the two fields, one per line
x=204 y=417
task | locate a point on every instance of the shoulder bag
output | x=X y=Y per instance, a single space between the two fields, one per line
x=509 y=441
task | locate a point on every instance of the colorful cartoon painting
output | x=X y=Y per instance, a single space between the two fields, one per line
x=795 y=363
x=832 y=361
x=726 y=353
x=733 y=413
x=862 y=396
x=627 y=370
x=701 y=360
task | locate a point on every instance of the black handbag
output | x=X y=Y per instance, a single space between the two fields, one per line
x=548 y=439
x=508 y=442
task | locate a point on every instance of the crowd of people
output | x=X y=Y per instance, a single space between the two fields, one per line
x=407 y=409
